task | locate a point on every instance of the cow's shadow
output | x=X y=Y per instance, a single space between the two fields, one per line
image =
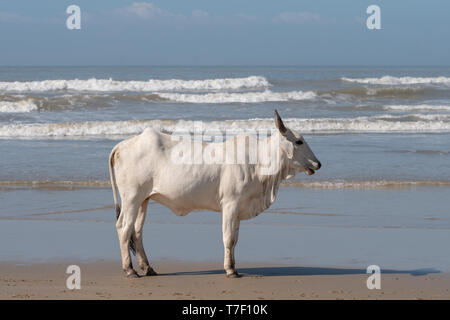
x=302 y=271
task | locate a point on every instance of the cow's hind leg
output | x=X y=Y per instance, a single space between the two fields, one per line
x=230 y=232
x=125 y=229
x=137 y=238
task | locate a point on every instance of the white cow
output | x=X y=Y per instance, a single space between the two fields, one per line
x=142 y=168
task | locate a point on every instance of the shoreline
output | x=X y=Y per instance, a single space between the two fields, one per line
x=333 y=184
x=182 y=280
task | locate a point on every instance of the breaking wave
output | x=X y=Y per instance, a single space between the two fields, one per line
x=389 y=80
x=420 y=107
x=382 y=92
x=376 y=124
x=135 y=86
x=247 y=97
x=17 y=106
x=15 y=102
x=70 y=101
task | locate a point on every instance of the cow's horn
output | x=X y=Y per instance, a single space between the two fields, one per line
x=279 y=123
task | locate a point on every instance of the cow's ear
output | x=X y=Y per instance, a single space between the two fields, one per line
x=288 y=147
x=279 y=124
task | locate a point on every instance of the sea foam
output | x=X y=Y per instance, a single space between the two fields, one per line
x=419 y=107
x=389 y=80
x=17 y=106
x=136 y=86
x=246 y=97
x=317 y=184
x=376 y=124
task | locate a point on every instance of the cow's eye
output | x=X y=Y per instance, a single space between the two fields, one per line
x=299 y=142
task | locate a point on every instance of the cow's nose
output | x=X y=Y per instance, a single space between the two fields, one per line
x=318 y=165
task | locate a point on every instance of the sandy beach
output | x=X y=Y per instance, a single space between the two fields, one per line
x=285 y=253
x=206 y=280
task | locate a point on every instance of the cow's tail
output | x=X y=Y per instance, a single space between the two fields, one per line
x=114 y=189
x=113 y=181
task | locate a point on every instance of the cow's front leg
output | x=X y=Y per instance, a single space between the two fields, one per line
x=230 y=231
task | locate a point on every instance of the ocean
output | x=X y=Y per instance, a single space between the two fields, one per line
x=382 y=135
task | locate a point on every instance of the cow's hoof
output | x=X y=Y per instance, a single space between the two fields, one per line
x=132 y=275
x=150 y=272
x=234 y=275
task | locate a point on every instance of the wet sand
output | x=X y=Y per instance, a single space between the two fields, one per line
x=206 y=280
x=311 y=244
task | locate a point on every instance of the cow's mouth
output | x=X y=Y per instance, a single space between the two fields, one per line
x=309 y=171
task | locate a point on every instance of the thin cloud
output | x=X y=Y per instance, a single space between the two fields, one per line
x=150 y=12
x=249 y=18
x=147 y=11
x=296 y=18
x=13 y=17
x=200 y=14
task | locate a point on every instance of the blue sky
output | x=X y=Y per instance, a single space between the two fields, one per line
x=232 y=32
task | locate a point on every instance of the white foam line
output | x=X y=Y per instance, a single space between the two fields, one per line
x=389 y=80
x=20 y=106
x=136 y=86
x=421 y=107
x=324 y=184
x=366 y=184
x=247 y=97
x=381 y=124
